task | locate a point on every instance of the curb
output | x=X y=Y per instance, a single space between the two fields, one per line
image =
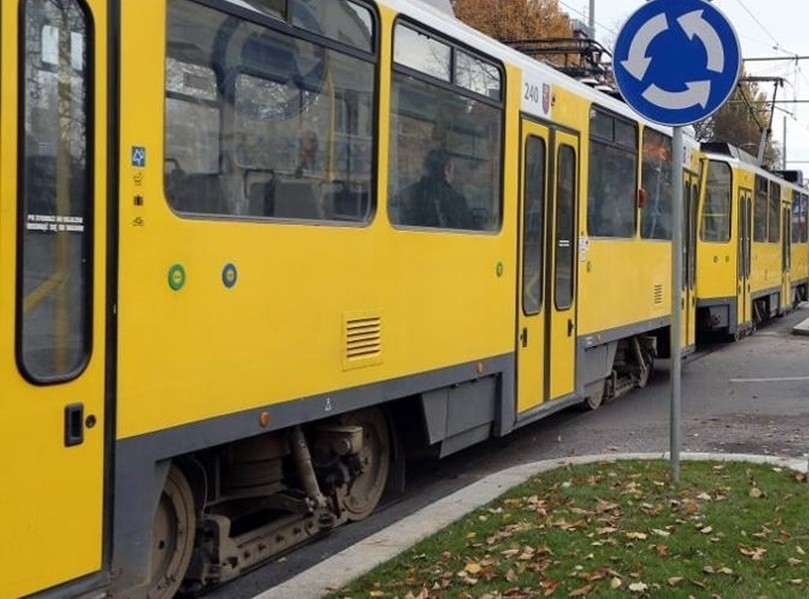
x=801 y=328
x=337 y=571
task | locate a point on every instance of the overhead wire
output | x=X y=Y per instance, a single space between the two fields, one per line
x=586 y=17
x=764 y=29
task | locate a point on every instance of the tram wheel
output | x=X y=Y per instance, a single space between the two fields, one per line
x=594 y=400
x=172 y=536
x=360 y=498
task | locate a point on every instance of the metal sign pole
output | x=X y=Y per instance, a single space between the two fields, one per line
x=676 y=299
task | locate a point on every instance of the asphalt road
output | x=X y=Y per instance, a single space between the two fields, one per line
x=745 y=397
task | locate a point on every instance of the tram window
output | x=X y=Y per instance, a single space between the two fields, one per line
x=612 y=193
x=656 y=180
x=340 y=20
x=421 y=52
x=565 y=230
x=533 y=225
x=275 y=8
x=804 y=218
x=715 y=226
x=55 y=273
x=760 y=210
x=275 y=126
x=774 y=229
x=444 y=158
x=477 y=76
x=795 y=229
x=192 y=107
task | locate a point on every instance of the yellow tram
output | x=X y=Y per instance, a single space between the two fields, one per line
x=255 y=252
x=752 y=249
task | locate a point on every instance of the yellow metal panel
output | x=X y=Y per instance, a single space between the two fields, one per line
x=613 y=296
x=53 y=495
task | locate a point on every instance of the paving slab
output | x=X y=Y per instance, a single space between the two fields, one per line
x=340 y=569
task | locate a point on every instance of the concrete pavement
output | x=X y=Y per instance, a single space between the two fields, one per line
x=338 y=570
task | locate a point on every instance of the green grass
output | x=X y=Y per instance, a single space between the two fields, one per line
x=618 y=529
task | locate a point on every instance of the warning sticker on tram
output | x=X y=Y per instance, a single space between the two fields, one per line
x=49 y=223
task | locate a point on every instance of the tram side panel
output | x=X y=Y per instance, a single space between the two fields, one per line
x=624 y=253
x=237 y=318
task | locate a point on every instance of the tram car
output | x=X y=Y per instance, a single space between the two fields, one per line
x=254 y=253
x=752 y=249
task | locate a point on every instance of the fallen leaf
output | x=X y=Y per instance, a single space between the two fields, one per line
x=660 y=532
x=755 y=553
x=794 y=561
x=549 y=587
x=725 y=570
x=473 y=568
x=707 y=530
x=800 y=550
x=638 y=587
x=377 y=593
x=797 y=581
x=756 y=493
x=581 y=592
x=704 y=497
x=511 y=575
x=675 y=580
x=708 y=570
x=616 y=583
x=640 y=536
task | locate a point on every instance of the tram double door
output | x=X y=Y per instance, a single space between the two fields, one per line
x=52 y=294
x=546 y=320
x=688 y=302
x=744 y=318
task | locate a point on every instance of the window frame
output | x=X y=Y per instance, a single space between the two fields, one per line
x=729 y=219
x=543 y=145
x=500 y=105
x=88 y=241
x=571 y=287
x=756 y=199
x=637 y=154
x=774 y=201
x=665 y=137
x=284 y=26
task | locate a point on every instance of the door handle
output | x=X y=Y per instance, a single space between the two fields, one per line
x=569 y=327
x=74 y=424
x=524 y=337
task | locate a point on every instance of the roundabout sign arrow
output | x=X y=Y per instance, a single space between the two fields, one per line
x=677 y=61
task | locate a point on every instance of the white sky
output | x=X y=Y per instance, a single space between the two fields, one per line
x=771 y=28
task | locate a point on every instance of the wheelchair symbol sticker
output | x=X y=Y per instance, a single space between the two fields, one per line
x=138 y=156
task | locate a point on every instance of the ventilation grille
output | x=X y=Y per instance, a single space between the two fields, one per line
x=362 y=335
x=659 y=293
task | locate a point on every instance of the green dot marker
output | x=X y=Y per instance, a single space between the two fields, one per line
x=177 y=277
x=229 y=275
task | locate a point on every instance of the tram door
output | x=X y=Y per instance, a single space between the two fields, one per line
x=786 y=253
x=745 y=224
x=52 y=292
x=689 y=296
x=546 y=338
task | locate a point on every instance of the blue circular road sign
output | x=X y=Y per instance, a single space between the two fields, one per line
x=677 y=61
